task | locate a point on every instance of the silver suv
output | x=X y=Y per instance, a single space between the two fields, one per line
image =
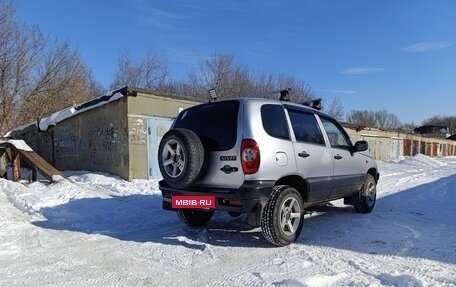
x=267 y=158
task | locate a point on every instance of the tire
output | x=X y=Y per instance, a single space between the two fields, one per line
x=282 y=218
x=234 y=213
x=180 y=158
x=195 y=218
x=365 y=202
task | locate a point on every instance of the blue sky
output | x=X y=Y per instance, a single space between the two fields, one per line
x=393 y=55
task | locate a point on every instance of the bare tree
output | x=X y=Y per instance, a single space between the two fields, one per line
x=231 y=80
x=299 y=90
x=150 y=73
x=94 y=88
x=37 y=75
x=447 y=121
x=265 y=85
x=220 y=73
x=362 y=118
x=379 y=119
x=386 y=120
x=335 y=109
x=408 y=127
x=61 y=81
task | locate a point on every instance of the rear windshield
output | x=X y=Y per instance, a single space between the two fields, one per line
x=214 y=123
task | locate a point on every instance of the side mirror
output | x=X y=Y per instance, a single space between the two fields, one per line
x=360 y=146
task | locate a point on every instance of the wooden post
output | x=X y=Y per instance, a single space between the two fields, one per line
x=3 y=163
x=31 y=160
x=34 y=174
x=16 y=163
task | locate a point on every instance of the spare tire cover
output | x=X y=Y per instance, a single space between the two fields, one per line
x=180 y=157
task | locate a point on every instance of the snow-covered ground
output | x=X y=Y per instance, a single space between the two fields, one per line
x=99 y=230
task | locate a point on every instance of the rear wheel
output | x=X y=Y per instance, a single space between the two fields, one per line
x=234 y=213
x=282 y=217
x=195 y=218
x=365 y=202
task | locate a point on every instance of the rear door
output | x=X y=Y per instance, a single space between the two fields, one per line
x=216 y=124
x=313 y=158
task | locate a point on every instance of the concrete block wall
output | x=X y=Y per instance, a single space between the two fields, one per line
x=96 y=140
x=142 y=107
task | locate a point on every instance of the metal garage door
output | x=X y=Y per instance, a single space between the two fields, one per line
x=157 y=127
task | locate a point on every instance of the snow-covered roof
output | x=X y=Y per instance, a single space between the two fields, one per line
x=64 y=114
x=69 y=112
x=19 y=144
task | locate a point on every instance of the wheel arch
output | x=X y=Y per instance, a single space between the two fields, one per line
x=372 y=171
x=298 y=183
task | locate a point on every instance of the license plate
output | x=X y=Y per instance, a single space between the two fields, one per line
x=193 y=201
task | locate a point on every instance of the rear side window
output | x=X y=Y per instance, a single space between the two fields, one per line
x=274 y=121
x=305 y=127
x=214 y=123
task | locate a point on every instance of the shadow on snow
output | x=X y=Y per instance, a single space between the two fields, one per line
x=411 y=223
x=140 y=218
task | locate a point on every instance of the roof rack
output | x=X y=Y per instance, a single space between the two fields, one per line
x=314 y=104
x=284 y=95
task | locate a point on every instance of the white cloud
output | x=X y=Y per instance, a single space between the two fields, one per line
x=422 y=47
x=361 y=70
x=147 y=13
x=338 y=91
x=182 y=55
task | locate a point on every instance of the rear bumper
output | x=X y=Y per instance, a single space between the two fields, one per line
x=248 y=198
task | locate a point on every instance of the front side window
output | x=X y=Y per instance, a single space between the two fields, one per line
x=338 y=138
x=305 y=127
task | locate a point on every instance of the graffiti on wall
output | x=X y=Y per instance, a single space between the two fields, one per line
x=65 y=139
x=93 y=143
x=101 y=143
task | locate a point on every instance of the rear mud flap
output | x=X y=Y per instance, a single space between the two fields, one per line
x=254 y=217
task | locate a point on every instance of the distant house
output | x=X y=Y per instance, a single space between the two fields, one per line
x=433 y=131
x=117 y=133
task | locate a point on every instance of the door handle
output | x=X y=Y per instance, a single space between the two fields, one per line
x=338 y=156
x=303 y=154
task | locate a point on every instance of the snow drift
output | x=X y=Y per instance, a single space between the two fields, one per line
x=97 y=229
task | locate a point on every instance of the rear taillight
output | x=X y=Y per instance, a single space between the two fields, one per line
x=250 y=156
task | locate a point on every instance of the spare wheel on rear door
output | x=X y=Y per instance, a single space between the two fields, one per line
x=180 y=157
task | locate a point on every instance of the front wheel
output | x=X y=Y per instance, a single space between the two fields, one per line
x=282 y=217
x=195 y=218
x=367 y=195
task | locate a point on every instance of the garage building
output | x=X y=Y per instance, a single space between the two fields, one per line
x=118 y=133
